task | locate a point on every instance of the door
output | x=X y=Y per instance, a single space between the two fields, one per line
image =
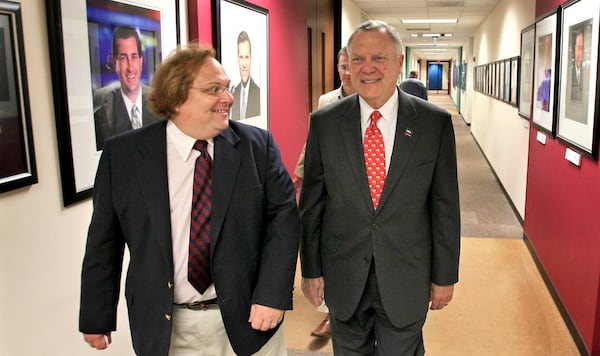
x=434 y=76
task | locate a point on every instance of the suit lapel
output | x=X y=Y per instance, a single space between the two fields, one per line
x=225 y=172
x=350 y=132
x=151 y=169
x=407 y=135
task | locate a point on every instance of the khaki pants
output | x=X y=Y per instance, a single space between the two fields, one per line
x=202 y=333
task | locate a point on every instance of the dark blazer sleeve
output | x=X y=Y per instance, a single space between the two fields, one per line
x=255 y=231
x=101 y=272
x=445 y=211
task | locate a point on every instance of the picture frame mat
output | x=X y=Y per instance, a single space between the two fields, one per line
x=582 y=135
x=67 y=21
x=254 y=20
x=526 y=68
x=545 y=120
x=15 y=115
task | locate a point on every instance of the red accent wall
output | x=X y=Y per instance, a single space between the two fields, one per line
x=562 y=221
x=288 y=72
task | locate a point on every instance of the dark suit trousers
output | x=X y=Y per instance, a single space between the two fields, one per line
x=370 y=332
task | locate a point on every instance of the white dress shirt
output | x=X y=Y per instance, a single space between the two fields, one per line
x=386 y=124
x=181 y=159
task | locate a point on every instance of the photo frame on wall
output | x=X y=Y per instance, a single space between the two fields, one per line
x=507 y=73
x=17 y=155
x=578 y=113
x=80 y=34
x=544 y=75
x=514 y=82
x=525 y=86
x=241 y=39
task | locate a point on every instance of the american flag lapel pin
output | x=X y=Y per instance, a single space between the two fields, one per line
x=408 y=133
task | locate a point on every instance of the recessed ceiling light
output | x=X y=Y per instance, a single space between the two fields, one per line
x=431 y=35
x=414 y=35
x=410 y=21
x=446 y=35
x=432 y=44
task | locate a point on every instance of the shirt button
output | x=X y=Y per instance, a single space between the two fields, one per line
x=170 y=284
x=168 y=317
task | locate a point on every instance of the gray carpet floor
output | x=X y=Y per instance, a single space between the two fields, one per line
x=485 y=209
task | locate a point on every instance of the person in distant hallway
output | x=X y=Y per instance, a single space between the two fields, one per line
x=379 y=206
x=323 y=330
x=123 y=106
x=208 y=213
x=246 y=94
x=543 y=92
x=414 y=86
x=344 y=90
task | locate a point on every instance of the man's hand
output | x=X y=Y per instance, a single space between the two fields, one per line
x=440 y=296
x=98 y=341
x=264 y=318
x=314 y=290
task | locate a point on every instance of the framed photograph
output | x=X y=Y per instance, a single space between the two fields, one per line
x=506 y=79
x=17 y=157
x=84 y=68
x=514 y=80
x=578 y=91
x=497 y=79
x=544 y=75
x=241 y=38
x=525 y=85
x=501 y=83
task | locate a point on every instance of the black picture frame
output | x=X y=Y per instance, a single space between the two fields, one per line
x=526 y=60
x=578 y=114
x=234 y=21
x=514 y=80
x=17 y=154
x=545 y=88
x=70 y=62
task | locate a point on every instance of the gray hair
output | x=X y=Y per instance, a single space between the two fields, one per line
x=378 y=25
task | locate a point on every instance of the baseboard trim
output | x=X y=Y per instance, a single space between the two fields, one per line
x=579 y=342
x=510 y=202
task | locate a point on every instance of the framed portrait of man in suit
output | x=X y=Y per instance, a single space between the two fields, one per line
x=83 y=65
x=578 y=116
x=241 y=41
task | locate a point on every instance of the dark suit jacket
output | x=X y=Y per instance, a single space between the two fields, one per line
x=110 y=113
x=255 y=234
x=413 y=236
x=414 y=87
x=253 y=105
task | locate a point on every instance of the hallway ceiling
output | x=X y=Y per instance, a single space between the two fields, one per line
x=469 y=13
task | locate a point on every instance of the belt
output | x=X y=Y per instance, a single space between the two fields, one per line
x=203 y=305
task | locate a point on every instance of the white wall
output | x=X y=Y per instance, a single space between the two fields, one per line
x=501 y=133
x=351 y=19
x=42 y=243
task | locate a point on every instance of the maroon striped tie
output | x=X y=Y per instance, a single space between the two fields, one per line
x=199 y=273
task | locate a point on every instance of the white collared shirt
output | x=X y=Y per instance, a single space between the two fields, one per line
x=129 y=104
x=181 y=159
x=386 y=124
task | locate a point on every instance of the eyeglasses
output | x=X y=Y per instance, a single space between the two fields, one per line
x=343 y=68
x=215 y=91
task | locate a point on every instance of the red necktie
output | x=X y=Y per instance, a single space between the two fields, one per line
x=199 y=274
x=375 y=158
